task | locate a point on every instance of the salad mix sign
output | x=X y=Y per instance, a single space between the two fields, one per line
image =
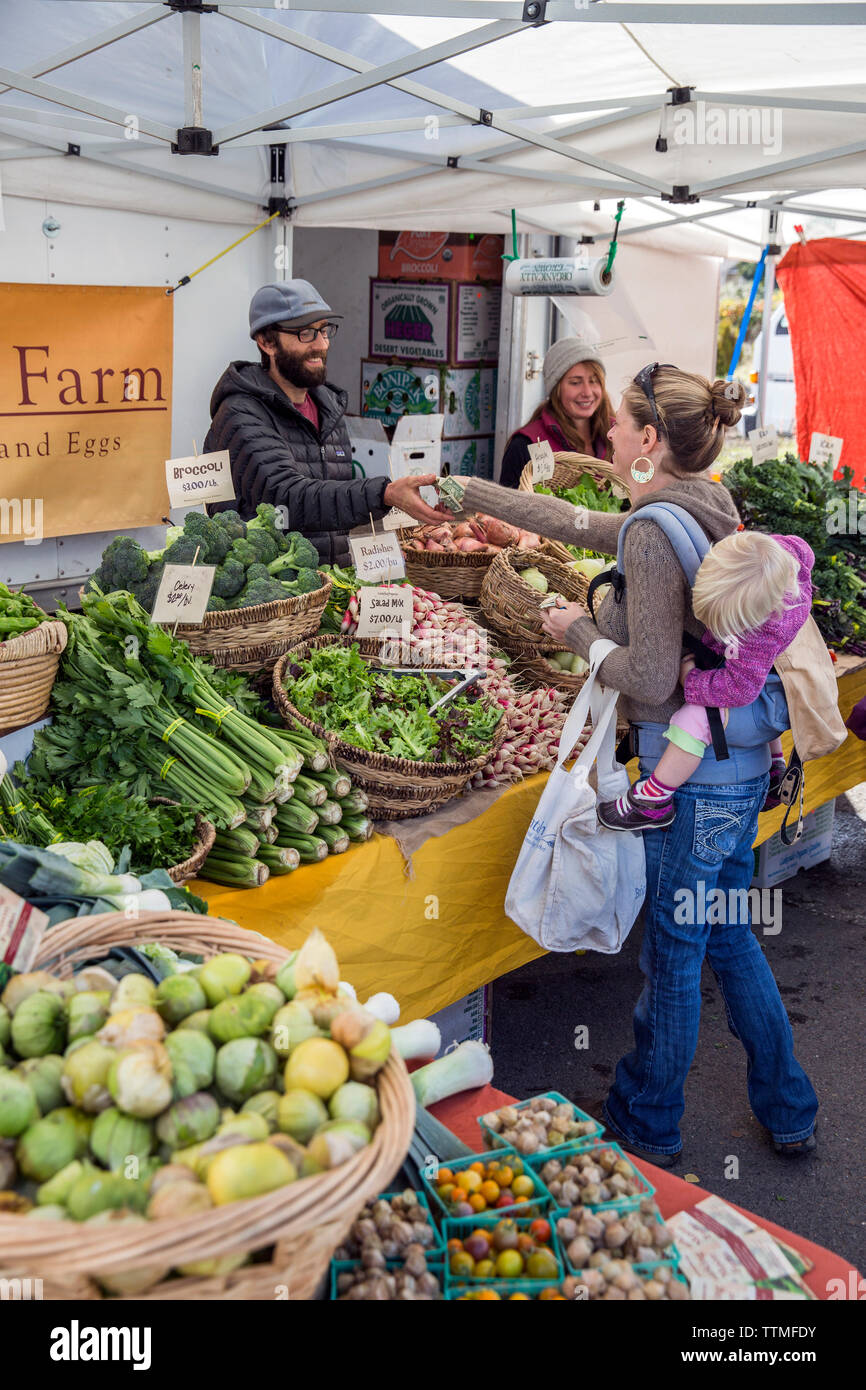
x=85 y=408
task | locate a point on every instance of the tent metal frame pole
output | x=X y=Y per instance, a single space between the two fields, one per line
x=58 y=148
x=473 y=114
x=374 y=77
x=305 y=199
x=796 y=12
x=36 y=116
x=783 y=102
x=95 y=42
x=75 y=102
x=806 y=211
x=192 y=74
x=744 y=175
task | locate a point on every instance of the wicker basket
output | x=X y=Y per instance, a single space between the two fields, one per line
x=204 y=836
x=28 y=666
x=512 y=607
x=297 y=1228
x=252 y=639
x=397 y=788
x=567 y=472
x=448 y=574
x=532 y=668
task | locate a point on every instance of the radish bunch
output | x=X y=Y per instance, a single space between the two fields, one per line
x=444 y=635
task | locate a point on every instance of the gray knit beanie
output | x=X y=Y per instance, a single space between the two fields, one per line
x=564 y=355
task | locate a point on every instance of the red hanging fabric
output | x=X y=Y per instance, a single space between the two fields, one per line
x=824 y=284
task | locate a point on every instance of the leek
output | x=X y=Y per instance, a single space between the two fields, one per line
x=335 y=838
x=469 y=1065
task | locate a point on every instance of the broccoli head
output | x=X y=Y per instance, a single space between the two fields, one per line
x=229 y=578
x=214 y=541
x=215 y=604
x=265 y=545
x=300 y=553
x=147 y=590
x=123 y=564
x=306 y=583
x=231 y=522
x=243 y=551
x=182 y=551
x=260 y=591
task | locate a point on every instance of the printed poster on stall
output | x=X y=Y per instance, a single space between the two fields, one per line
x=409 y=321
x=85 y=408
x=476 y=328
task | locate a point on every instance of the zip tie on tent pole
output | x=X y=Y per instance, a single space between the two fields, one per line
x=801 y=234
x=514 y=256
x=185 y=279
x=611 y=250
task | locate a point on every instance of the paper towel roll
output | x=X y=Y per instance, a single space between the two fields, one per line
x=559 y=275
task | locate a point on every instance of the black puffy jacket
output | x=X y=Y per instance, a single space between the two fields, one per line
x=278 y=456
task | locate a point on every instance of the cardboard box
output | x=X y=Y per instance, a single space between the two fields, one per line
x=389 y=390
x=440 y=256
x=468 y=1019
x=410 y=320
x=477 y=313
x=469 y=457
x=416 y=447
x=469 y=401
x=370 y=446
x=775 y=862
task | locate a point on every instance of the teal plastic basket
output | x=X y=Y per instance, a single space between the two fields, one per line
x=435 y=1264
x=536 y=1205
x=504 y=1287
x=537 y=1162
x=670 y=1255
x=495 y=1141
x=438 y=1242
x=465 y=1225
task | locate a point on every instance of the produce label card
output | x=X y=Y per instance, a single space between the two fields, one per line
x=183 y=593
x=204 y=478
x=409 y=320
x=377 y=558
x=543 y=462
x=384 y=610
x=477 y=323
x=765 y=444
x=21 y=930
x=826 y=448
x=395 y=520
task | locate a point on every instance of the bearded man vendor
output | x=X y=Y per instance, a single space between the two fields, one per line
x=284 y=427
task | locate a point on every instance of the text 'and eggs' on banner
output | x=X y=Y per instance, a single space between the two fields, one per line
x=85 y=404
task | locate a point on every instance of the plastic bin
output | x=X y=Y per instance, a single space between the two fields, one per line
x=538 y=1161
x=494 y=1141
x=465 y=1225
x=537 y=1204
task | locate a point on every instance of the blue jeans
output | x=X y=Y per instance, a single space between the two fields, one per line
x=709 y=846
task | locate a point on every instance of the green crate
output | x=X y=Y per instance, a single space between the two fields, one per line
x=537 y=1162
x=670 y=1256
x=438 y=1244
x=643 y=1270
x=494 y=1141
x=503 y=1286
x=464 y=1225
x=435 y=1264
x=535 y=1206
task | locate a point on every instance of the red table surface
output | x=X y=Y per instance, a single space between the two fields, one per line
x=672 y=1194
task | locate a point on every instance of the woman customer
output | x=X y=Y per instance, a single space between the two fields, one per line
x=668 y=431
x=575 y=415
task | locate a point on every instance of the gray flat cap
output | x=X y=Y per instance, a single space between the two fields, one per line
x=295 y=302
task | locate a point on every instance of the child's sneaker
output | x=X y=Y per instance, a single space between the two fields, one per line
x=632 y=812
x=777 y=776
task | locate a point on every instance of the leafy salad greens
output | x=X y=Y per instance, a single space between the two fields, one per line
x=386 y=713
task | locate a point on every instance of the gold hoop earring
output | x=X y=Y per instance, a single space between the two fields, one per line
x=638 y=474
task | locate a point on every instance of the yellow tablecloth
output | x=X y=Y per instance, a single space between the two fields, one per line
x=434 y=937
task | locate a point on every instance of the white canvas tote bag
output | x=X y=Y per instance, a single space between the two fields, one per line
x=577 y=885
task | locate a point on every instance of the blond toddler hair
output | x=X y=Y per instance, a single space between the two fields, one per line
x=743 y=580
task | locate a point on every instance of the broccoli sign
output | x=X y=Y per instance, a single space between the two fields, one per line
x=202 y=478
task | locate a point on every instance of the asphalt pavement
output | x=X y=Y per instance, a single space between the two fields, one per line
x=818 y=959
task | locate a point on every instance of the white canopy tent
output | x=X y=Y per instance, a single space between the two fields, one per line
x=705 y=118
x=456 y=109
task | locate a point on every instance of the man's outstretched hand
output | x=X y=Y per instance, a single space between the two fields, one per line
x=405 y=493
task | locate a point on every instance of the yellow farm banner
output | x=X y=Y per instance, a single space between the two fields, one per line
x=85 y=408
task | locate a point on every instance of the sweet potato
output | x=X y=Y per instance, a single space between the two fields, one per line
x=498 y=532
x=467 y=545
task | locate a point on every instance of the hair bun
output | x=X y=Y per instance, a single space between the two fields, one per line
x=727 y=399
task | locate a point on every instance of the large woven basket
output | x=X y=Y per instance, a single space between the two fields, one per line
x=28 y=666
x=252 y=639
x=204 y=836
x=295 y=1230
x=448 y=574
x=567 y=472
x=512 y=607
x=397 y=788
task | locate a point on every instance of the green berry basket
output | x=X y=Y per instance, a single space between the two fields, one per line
x=645 y=1188
x=495 y=1141
x=668 y=1254
x=535 y=1205
x=464 y=1226
x=438 y=1245
x=435 y=1266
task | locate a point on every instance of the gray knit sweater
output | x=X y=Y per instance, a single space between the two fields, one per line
x=648 y=624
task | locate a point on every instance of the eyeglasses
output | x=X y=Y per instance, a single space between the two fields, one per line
x=644 y=380
x=309 y=335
